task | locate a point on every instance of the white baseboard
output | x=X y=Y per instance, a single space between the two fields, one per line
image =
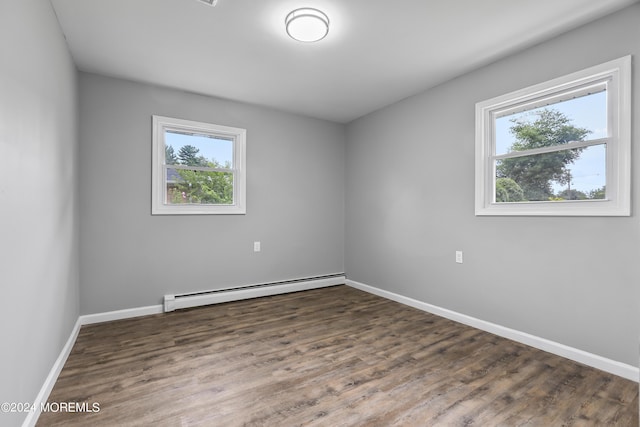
x=611 y=366
x=89 y=319
x=50 y=381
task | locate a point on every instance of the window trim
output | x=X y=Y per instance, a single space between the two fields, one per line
x=617 y=75
x=158 y=185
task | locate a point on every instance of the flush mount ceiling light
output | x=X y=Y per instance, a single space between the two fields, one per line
x=307 y=24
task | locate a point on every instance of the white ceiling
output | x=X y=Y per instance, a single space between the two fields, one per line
x=377 y=52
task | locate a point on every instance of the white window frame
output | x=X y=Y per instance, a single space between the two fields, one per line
x=616 y=75
x=163 y=124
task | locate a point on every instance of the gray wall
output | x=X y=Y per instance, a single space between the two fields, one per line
x=410 y=206
x=129 y=258
x=38 y=199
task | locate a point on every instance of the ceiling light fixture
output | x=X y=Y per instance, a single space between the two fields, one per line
x=307 y=24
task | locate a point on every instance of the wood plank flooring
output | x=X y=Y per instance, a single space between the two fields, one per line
x=327 y=357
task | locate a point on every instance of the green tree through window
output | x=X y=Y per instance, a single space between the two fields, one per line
x=198 y=186
x=532 y=177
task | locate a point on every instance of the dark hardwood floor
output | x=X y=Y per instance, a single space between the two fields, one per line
x=328 y=357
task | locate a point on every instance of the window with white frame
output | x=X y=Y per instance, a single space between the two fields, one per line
x=198 y=168
x=558 y=148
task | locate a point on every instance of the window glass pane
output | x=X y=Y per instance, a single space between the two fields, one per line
x=198 y=187
x=578 y=119
x=198 y=150
x=578 y=174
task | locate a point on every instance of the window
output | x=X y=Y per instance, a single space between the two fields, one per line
x=198 y=168
x=558 y=148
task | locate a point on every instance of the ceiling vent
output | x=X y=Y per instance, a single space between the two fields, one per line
x=209 y=2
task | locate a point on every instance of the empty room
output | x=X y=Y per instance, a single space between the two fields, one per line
x=319 y=213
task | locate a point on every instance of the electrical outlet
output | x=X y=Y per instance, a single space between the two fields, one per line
x=256 y=246
x=459 y=257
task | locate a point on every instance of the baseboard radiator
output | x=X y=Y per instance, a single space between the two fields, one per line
x=177 y=301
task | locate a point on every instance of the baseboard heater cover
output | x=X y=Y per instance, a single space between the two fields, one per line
x=195 y=299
